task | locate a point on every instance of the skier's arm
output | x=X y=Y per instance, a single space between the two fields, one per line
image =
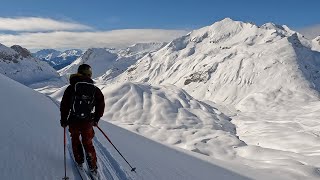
x=65 y=103
x=99 y=106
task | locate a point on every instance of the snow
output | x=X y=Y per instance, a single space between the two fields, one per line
x=31 y=140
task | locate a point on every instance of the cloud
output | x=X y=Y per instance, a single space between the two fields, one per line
x=310 y=32
x=33 y=24
x=84 y=40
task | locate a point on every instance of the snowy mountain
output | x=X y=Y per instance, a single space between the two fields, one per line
x=57 y=59
x=17 y=63
x=109 y=63
x=236 y=63
x=46 y=54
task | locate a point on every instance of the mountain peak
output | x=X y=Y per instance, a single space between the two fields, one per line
x=22 y=51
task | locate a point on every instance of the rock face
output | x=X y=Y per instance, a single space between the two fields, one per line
x=23 y=52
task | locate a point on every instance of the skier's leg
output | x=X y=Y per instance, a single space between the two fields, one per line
x=87 y=134
x=76 y=143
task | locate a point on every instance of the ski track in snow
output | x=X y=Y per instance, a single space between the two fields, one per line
x=108 y=167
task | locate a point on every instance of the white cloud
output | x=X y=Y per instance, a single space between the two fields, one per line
x=311 y=31
x=84 y=40
x=38 y=24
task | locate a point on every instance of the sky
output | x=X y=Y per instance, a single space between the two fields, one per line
x=62 y=24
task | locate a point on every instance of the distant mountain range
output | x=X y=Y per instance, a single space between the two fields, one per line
x=108 y=63
x=58 y=59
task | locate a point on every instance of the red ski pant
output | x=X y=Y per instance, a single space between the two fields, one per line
x=86 y=131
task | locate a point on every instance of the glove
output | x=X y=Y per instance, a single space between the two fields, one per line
x=63 y=123
x=95 y=121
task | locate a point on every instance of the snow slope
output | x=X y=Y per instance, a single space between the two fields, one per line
x=33 y=146
x=18 y=64
x=30 y=136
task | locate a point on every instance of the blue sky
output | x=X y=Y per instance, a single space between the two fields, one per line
x=180 y=15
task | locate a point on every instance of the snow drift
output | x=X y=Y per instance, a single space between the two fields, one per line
x=169 y=114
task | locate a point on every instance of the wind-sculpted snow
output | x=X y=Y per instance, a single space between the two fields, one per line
x=168 y=114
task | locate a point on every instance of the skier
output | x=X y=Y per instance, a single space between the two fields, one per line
x=78 y=101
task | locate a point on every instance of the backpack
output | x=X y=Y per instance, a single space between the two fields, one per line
x=83 y=100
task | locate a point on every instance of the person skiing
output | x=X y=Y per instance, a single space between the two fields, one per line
x=77 y=104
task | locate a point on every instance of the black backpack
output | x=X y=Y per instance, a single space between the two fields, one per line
x=83 y=100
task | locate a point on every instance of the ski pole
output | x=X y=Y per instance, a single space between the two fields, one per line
x=132 y=168
x=64 y=150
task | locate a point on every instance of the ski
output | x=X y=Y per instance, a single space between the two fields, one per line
x=82 y=172
x=91 y=175
x=94 y=176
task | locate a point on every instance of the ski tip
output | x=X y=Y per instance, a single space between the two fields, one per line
x=133 y=170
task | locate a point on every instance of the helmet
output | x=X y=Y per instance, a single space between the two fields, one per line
x=85 y=70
